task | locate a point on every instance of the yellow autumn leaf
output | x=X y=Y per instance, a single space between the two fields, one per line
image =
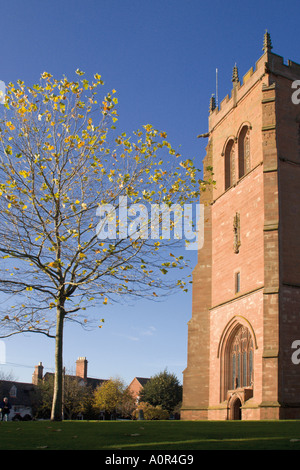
x=24 y=173
x=10 y=125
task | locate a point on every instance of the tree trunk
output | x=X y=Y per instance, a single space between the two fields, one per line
x=57 y=403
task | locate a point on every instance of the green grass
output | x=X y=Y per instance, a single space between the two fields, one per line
x=150 y=435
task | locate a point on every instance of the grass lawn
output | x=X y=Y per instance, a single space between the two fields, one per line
x=150 y=435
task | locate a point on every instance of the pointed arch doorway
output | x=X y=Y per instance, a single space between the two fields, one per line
x=235 y=412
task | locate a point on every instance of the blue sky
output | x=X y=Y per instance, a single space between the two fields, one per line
x=161 y=57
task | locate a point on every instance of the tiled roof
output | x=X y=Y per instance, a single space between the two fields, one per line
x=89 y=381
x=23 y=392
x=142 y=380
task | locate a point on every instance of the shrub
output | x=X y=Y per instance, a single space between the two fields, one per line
x=150 y=412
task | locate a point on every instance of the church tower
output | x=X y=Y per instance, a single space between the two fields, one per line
x=246 y=285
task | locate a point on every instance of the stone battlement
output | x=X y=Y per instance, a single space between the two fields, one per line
x=267 y=65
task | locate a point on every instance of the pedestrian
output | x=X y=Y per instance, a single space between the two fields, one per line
x=5 y=407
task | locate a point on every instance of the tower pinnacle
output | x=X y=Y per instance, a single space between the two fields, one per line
x=235 y=74
x=212 y=104
x=267 y=42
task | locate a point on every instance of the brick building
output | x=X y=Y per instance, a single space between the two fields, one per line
x=246 y=291
x=136 y=385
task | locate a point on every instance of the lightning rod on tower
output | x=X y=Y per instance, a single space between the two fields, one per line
x=217 y=103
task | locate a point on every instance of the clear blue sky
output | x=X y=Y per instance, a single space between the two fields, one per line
x=161 y=57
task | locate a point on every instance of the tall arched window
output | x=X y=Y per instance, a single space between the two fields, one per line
x=241 y=359
x=244 y=151
x=236 y=353
x=229 y=164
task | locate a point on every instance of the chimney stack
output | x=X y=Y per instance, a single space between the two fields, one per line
x=38 y=374
x=81 y=368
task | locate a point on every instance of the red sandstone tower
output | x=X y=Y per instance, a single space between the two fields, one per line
x=246 y=291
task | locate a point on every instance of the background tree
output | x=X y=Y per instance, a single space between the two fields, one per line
x=162 y=389
x=4 y=375
x=44 y=398
x=77 y=397
x=114 y=397
x=61 y=161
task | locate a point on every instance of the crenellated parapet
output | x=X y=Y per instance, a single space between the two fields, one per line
x=267 y=67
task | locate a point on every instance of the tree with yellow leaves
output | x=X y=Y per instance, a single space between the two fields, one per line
x=64 y=176
x=113 y=397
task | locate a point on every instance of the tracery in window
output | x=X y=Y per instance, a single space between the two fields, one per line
x=241 y=359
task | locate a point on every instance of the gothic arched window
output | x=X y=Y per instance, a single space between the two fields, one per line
x=229 y=165
x=241 y=359
x=244 y=151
